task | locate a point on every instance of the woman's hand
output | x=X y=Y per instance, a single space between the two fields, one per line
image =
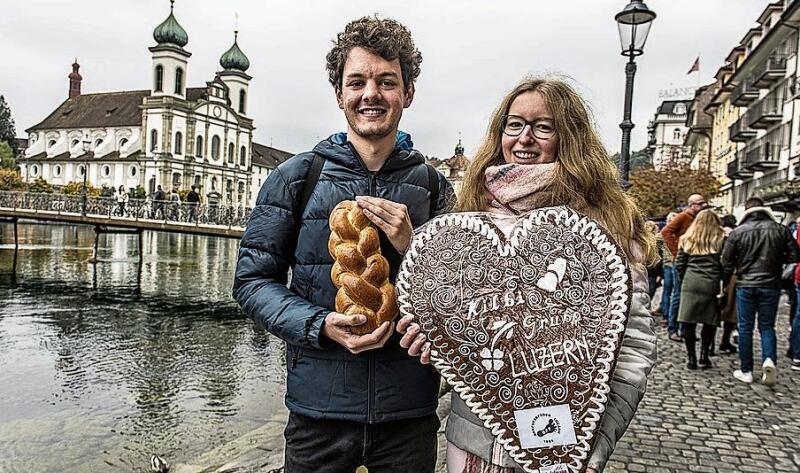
x=414 y=340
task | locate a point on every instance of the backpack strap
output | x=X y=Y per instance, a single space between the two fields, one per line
x=310 y=183
x=433 y=186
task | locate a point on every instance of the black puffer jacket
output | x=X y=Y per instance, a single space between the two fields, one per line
x=324 y=380
x=757 y=250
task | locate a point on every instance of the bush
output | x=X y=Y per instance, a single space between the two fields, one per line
x=40 y=186
x=10 y=180
x=74 y=188
x=137 y=192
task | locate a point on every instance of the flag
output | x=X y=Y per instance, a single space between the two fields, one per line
x=695 y=66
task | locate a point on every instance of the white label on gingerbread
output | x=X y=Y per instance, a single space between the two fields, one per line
x=558 y=468
x=545 y=427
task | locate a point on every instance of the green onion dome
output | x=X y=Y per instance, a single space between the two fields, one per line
x=234 y=58
x=170 y=31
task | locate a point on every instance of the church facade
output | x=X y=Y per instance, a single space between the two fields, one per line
x=170 y=135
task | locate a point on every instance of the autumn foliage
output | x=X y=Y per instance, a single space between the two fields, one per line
x=658 y=192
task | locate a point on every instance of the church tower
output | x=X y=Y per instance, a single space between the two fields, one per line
x=234 y=64
x=170 y=60
x=75 y=80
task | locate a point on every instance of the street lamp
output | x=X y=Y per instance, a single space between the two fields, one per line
x=86 y=155
x=633 y=23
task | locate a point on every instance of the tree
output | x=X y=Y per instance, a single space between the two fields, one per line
x=660 y=192
x=638 y=159
x=7 y=157
x=10 y=180
x=137 y=192
x=40 y=186
x=7 y=131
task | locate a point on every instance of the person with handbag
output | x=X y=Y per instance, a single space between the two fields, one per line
x=700 y=272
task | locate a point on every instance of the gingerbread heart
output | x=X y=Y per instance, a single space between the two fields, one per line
x=526 y=328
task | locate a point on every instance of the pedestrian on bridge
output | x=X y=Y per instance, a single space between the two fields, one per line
x=122 y=200
x=159 y=197
x=193 y=200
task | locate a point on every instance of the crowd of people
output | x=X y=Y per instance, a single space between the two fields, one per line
x=715 y=272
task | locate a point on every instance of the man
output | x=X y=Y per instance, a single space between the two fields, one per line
x=672 y=233
x=757 y=250
x=353 y=400
x=158 y=203
x=193 y=199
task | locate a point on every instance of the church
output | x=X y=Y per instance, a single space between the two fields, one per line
x=170 y=135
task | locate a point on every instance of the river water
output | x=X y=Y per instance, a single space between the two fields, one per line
x=96 y=376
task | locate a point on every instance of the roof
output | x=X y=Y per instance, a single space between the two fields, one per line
x=22 y=143
x=771 y=8
x=269 y=157
x=667 y=107
x=96 y=110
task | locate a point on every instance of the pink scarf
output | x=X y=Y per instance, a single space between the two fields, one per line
x=517 y=188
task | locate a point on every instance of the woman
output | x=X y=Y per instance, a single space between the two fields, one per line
x=729 y=318
x=700 y=271
x=542 y=134
x=122 y=199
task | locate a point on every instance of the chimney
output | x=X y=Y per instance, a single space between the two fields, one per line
x=75 y=80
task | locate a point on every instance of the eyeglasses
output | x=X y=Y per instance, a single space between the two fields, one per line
x=542 y=128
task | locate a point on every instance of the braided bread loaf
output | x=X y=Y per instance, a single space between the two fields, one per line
x=359 y=271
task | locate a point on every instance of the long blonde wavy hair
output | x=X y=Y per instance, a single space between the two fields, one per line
x=585 y=171
x=704 y=236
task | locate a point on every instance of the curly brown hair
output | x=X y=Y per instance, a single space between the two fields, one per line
x=383 y=36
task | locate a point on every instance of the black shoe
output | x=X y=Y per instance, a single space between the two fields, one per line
x=692 y=364
x=727 y=348
x=705 y=363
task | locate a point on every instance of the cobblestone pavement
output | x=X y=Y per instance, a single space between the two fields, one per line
x=706 y=421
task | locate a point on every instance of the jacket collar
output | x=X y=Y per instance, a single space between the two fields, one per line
x=338 y=149
x=757 y=213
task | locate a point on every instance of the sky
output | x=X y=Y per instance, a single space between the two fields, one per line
x=474 y=51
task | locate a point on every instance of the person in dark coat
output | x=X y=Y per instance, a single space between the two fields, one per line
x=353 y=399
x=193 y=200
x=756 y=251
x=728 y=306
x=700 y=270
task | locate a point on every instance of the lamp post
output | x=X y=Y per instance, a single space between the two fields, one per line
x=87 y=153
x=633 y=23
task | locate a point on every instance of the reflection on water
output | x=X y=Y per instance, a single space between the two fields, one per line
x=97 y=380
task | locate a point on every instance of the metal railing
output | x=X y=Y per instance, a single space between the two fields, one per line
x=769 y=71
x=766 y=111
x=744 y=93
x=168 y=212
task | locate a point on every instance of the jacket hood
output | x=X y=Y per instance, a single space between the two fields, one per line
x=338 y=148
x=757 y=213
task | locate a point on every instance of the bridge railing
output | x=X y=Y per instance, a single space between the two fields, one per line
x=134 y=209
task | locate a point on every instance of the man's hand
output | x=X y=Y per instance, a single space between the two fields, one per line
x=337 y=328
x=416 y=342
x=390 y=217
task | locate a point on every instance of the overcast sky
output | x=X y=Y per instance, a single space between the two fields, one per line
x=474 y=51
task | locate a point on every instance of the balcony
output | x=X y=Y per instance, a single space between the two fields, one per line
x=739 y=132
x=744 y=94
x=765 y=112
x=762 y=157
x=736 y=169
x=773 y=69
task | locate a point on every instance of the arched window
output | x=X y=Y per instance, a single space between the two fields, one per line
x=123 y=142
x=97 y=143
x=153 y=140
x=105 y=170
x=198 y=147
x=676 y=134
x=158 y=85
x=213 y=183
x=242 y=97
x=75 y=142
x=57 y=171
x=215 y=147
x=179 y=81
x=51 y=143
x=231 y=158
x=242 y=156
x=178 y=142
